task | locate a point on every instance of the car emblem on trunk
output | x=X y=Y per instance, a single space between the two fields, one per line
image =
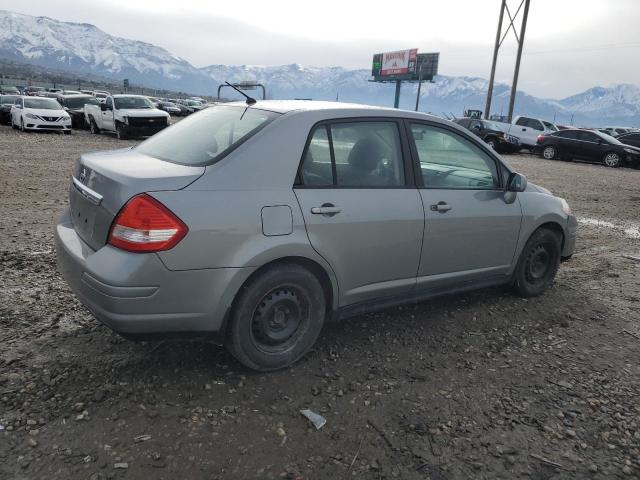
x=83 y=175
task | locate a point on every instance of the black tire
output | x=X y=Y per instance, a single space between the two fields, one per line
x=93 y=126
x=67 y=132
x=612 y=159
x=538 y=263
x=120 y=132
x=276 y=318
x=13 y=125
x=550 y=152
x=492 y=142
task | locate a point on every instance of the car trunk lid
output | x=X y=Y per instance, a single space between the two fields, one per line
x=104 y=181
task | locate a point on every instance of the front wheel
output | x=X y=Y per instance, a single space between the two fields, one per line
x=549 y=152
x=538 y=263
x=277 y=317
x=120 y=132
x=93 y=127
x=22 y=124
x=612 y=160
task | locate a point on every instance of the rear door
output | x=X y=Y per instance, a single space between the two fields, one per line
x=361 y=208
x=568 y=143
x=471 y=231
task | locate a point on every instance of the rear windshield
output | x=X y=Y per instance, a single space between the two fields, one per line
x=207 y=136
x=41 y=103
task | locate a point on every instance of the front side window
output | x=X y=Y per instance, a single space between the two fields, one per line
x=354 y=154
x=569 y=134
x=588 y=137
x=109 y=103
x=204 y=138
x=447 y=160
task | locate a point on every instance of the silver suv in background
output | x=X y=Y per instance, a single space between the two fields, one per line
x=260 y=222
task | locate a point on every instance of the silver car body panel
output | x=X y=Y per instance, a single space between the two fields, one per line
x=244 y=212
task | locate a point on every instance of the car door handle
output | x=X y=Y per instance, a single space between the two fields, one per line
x=441 y=207
x=326 y=209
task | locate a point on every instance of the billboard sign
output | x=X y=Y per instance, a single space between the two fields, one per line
x=398 y=63
x=427 y=66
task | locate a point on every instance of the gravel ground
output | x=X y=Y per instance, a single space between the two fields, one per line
x=480 y=385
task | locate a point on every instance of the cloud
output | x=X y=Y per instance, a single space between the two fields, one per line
x=565 y=48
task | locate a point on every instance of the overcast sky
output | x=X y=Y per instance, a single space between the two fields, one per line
x=571 y=45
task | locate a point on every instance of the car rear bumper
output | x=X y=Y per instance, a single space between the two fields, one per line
x=135 y=294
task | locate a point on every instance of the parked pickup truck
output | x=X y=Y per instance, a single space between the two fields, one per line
x=493 y=133
x=126 y=116
x=527 y=130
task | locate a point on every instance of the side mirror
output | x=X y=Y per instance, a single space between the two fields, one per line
x=516 y=182
x=476 y=127
x=103 y=107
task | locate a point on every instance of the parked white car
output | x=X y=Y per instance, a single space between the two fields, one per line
x=126 y=116
x=528 y=129
x=39 y=113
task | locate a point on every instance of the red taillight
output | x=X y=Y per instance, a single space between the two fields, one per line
x=146 y=225
x=540 y=138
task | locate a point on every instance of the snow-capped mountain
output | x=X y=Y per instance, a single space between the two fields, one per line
x=84 y=49
x=81 y=47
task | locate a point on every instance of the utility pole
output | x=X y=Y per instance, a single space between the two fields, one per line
x=396 y=102
x=514 y=85
x=498 y=43
x=492 y=77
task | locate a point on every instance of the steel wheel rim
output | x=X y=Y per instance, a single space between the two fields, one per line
x=279 y=319
x=549 y=153
x=538 y=264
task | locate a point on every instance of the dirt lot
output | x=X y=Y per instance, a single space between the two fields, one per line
x=481 y=385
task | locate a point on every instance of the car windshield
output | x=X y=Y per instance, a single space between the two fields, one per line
x=41 y=103
x=5 y=99
x=132 y=102
x=79 y=102
x=550 y=126
x=192 y=103
x=207 y=136
x=609 y=138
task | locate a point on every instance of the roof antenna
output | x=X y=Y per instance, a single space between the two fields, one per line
x=250 y=100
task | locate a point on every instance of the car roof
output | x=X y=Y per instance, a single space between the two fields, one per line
x=333 y=108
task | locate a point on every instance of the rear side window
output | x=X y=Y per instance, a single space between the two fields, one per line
x=206 y=137
x=354 y=154
x=447 y=160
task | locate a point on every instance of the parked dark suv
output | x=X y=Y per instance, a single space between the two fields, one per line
x=589 y=145
x=491 y=133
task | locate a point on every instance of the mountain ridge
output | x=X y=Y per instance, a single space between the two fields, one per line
x=83 y=47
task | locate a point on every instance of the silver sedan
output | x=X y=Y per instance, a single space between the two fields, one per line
x=260 y=222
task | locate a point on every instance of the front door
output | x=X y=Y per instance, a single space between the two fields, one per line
x=361 y=212
x=471 y=231
x=107 y=115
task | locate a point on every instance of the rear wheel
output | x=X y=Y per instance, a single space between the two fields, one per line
x=277 y=318
x=612 y=159
x=538 y=263
x=549 y=152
